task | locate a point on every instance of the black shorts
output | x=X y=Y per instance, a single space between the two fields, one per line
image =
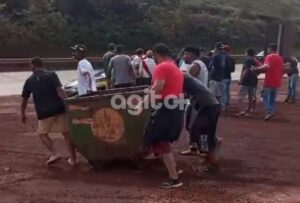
x=143 y=81
x=123 y=85
x=165 y=125
x=203 y=127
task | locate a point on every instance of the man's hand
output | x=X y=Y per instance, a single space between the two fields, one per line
x=24 y=119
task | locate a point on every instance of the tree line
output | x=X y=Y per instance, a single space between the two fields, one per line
x=50 y=27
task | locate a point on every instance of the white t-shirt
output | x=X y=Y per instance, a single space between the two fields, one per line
x=136 y=61
x=151 y=66
x=203 y=75
x=84 y=66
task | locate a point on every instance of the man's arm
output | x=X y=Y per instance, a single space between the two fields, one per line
x=131 y=71
x=261 y=69
x=287 y=67
x=195 y=69
x=61 y=93
x=155 y=90
x=58 y=86
x=88 y=77
x=25 y=96
x=85 y=71
x=109 y=74
x=23 y=108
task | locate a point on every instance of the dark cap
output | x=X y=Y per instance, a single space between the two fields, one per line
x=80 y=48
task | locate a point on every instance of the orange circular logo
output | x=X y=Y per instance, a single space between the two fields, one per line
x=108 y=125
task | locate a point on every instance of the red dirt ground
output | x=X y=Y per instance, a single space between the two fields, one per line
x=260 y=164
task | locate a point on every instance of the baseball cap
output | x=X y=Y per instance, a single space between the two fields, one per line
x=79 y=47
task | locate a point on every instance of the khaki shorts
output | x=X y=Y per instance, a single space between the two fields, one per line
x=54 y=124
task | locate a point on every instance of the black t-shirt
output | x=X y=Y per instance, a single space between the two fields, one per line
x=230 y=67
x=294 y=65
x=249 y=78
x=42 y=85
x=198 y=92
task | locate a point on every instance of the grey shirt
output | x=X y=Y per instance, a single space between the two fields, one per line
x=198 y=92
x=121 y=70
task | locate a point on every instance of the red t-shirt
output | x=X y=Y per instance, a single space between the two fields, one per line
x=274 y=72
x=172 y=76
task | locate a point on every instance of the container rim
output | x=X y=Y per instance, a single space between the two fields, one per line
x=109 y=93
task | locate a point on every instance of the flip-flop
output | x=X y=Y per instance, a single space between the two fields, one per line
x=53 y=160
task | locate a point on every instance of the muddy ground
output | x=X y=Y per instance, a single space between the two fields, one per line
x=260 y=163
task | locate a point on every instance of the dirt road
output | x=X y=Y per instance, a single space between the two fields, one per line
x=260 y=164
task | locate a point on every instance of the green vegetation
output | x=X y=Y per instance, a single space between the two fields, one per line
x=49 y=27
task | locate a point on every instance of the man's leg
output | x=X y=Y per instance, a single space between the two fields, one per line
x=290 y=89
x=49 y=145
x=266 y=99
x=170 y=164
x=44 y=128
x=273 y=95
x=224 y=94
x=294 y=81
x=250 y=99
x=213 y=143
x=254 y=99
x=242 y=93
x=164 y=148
x=71 y=149
x=228 y=92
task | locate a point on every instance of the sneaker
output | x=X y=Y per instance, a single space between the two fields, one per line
x=269 y=116
x=53 y=159
x=171 y=183
x=73 y=163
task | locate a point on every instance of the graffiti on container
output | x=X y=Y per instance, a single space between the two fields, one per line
x=78 y=108
x=108 y=125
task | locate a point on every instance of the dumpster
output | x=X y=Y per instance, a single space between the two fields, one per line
x=100 y=131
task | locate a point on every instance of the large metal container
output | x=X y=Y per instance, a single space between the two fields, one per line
x=101 y=132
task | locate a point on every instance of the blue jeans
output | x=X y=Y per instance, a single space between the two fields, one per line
x=226 y=94
x=269 y=98
x=293 y=80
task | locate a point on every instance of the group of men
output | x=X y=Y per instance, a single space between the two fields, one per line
x=125 y=71
x=204 y=82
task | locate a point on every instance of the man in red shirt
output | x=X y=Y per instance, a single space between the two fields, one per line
x=166 y=123
x=273 y=68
